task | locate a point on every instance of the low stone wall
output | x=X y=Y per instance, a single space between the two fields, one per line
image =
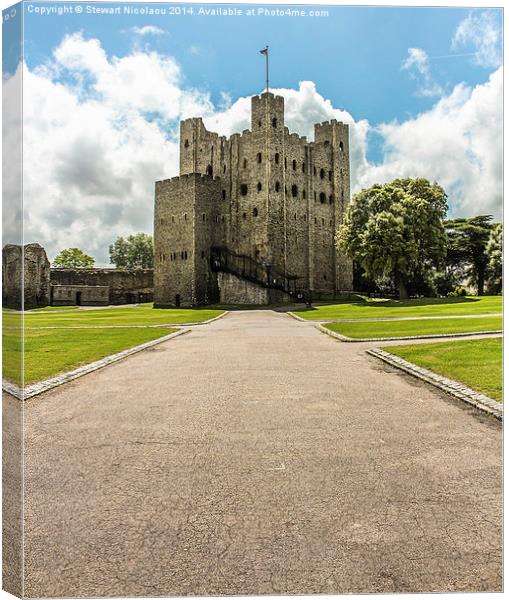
x=80 y=295
x=235 y=290
x=126 y=286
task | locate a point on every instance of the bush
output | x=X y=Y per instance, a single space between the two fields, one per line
x=457 y=292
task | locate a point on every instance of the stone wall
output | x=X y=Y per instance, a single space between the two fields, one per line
x=36 y=274
x=80 y=295
x=126 y=286
x=234 y=290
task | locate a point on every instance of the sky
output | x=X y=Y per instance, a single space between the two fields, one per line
x=103 y=96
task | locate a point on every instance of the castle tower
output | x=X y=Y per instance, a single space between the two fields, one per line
x=267 y=197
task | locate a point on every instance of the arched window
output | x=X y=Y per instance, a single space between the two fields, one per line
x=295 y=191
x=255 y=212
x=259 y=186
x=277 y=186
x=186 y=144
x=341 y=146
x=244 y=164
x=294 y=165
x=209 y=170
x=274 y=122
x=323 y=198
x=322 y=173
x=259 y=157
x=276 y=158
x=243 y=189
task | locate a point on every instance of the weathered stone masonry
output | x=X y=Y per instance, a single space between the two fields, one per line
x=264 y=194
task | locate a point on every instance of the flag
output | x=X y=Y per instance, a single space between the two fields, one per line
x=264 y=51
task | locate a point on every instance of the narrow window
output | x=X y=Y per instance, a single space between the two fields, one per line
x=274 y=122
x=286 y=165
x=295 y=216
x=185 y=216
x=342 y=195
x=277 y=186
x=295 y=191
x=209 y=170
x=203 y=217
x=323 y=198
x=315 y=221
x=173 y=218
x=276 y=158
x=255 y=212
x=315 y=195
x=186 y=144
x=303 y=167
x=259 y=123
x=323 y=221
x=244 y=215
x=259 y=157
x=243 y=189
x=314 y=171
x=294 y=165
x=324 y=277
x=224 y=194
x=304 y=194
x=322 y=173
x=203 y=254
x=224 y=168
x=341 y=146
x=182 y=255
x=259 y=186
x=245 y=163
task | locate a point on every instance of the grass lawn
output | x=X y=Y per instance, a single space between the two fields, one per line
x=50 y=308
x=476 y=363
x=115 y=316
x=366 y=308
x=382 y=329
x=54 y=351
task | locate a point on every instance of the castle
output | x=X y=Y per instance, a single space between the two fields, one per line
x=252 y=218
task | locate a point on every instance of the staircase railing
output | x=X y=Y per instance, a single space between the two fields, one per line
x=261 y=273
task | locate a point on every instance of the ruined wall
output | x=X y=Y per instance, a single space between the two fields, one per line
x=36 y=274
x=126 y=286
x=80 y=295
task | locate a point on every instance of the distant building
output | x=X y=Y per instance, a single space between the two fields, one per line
x=252 y=218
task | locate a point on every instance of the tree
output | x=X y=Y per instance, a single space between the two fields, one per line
x=494 y=252
x=466 y=247
x=73 y=258
x=396 y=231
x=134 y=252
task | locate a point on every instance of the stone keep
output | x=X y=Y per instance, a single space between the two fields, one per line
x=266 y=194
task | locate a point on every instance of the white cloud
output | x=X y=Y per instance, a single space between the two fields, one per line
x=417 y=63
x=457 y=143
x=148 y=30
x=99 y=131
x=482 y=33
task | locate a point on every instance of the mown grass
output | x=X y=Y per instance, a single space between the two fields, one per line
x=115 y=316
x=53 y=351
x=51 y=308
x=367 y=308
x=476 y=363
x=384 y=329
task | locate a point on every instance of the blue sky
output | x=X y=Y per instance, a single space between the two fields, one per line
x=354 y=55
x=421 y=89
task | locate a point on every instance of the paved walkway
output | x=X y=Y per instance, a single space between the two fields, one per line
x=256 y=455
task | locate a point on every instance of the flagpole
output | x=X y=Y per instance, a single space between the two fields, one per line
x=267 y=66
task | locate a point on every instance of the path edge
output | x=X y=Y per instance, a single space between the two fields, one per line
x=344 y=338
x=450 y=386
x=40 y=387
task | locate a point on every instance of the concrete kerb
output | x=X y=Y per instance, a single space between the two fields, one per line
x=433 y=336
x=450 y=386
x=35 y=389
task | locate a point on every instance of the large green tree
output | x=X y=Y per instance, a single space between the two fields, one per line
x=466 y=247
x=134 y=252
x=73 y=258
x=396 y=230
x=494 y=252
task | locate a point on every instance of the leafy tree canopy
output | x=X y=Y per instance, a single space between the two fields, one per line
x=466 y=248
x=494 y=252
x=134 y=252
x=73 y=258
x=396 y=230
